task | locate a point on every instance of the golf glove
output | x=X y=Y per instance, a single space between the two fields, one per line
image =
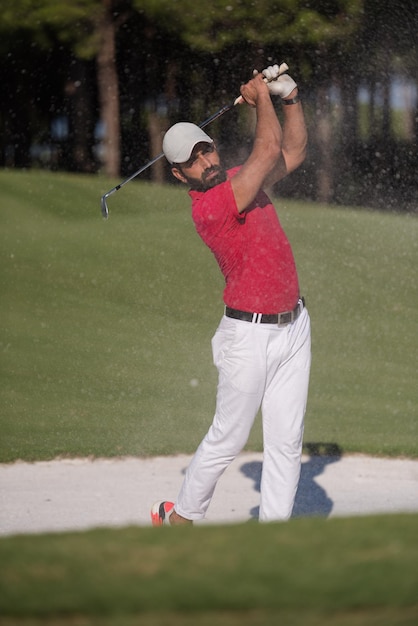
x=279 y=85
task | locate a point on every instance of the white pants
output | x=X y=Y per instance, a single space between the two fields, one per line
x=259 y=365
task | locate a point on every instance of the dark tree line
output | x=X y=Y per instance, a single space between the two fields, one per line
x=91 y=85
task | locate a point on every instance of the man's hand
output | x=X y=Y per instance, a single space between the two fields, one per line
x=279 y=84
x=254 y=89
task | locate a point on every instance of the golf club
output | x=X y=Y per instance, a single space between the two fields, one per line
x=105 y=211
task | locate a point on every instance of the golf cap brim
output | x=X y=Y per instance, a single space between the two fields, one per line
x=180 y=139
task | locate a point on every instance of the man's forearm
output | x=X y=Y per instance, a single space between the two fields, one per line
x=268 y=131
x=295 y=136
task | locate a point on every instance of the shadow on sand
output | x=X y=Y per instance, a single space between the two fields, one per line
x=311 y=499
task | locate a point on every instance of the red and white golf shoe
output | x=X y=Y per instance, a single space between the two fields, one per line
x=160 y=513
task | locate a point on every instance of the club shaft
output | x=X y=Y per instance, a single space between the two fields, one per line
x=215 y=116
x=210 y=119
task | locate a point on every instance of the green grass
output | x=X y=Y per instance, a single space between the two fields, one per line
x=106 y=326
x=105 y=346
x=352 y=571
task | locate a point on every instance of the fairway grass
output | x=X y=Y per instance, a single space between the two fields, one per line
x=105 y=343
x=372 y=617
x=342 y=571
x=106 y=325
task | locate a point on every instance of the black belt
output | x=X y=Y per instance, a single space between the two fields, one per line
x=260 y=318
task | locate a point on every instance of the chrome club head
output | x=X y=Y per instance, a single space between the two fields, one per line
x=105 y=210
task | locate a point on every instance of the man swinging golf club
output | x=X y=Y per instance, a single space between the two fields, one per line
x=262 y=345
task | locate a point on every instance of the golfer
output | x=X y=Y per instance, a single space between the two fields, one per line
x=262 y=345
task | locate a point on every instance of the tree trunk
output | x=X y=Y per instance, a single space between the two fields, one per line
x=386 y=119
x=348 y=125
x=372 y=126
x=81 y=118
x=410 y=114
x=109 y=90
x=155 y=128
x=415 y=118
x=325 y=147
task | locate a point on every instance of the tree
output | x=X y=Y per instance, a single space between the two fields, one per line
x=30 y=93
x=140 y=65
x=85 y=29
x=238 y=35
x=382 y=48
x=108 y=87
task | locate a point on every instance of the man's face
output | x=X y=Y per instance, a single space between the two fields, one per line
x=203 y=170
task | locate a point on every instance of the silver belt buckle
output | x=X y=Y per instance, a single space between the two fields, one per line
x=285 y=318
x=290 y=316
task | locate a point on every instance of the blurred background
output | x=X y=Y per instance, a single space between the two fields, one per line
x=90 y=86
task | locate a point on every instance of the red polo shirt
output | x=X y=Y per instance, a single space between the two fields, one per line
x=251 y=248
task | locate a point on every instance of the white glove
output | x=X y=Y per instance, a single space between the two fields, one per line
x=279 y=84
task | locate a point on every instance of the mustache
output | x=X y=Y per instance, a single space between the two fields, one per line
x=213 y=169
x=211 y=177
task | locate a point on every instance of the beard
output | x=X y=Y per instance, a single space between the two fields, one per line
x=207 y=180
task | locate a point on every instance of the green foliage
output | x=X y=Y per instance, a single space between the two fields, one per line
x=218 y=26
x=224 y=23
x=106 y=326
x=71 y=21
x=186 y=55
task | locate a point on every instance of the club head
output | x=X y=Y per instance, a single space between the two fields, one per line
x=105 y=210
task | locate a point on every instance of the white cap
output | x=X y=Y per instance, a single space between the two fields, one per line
x=180 y=139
